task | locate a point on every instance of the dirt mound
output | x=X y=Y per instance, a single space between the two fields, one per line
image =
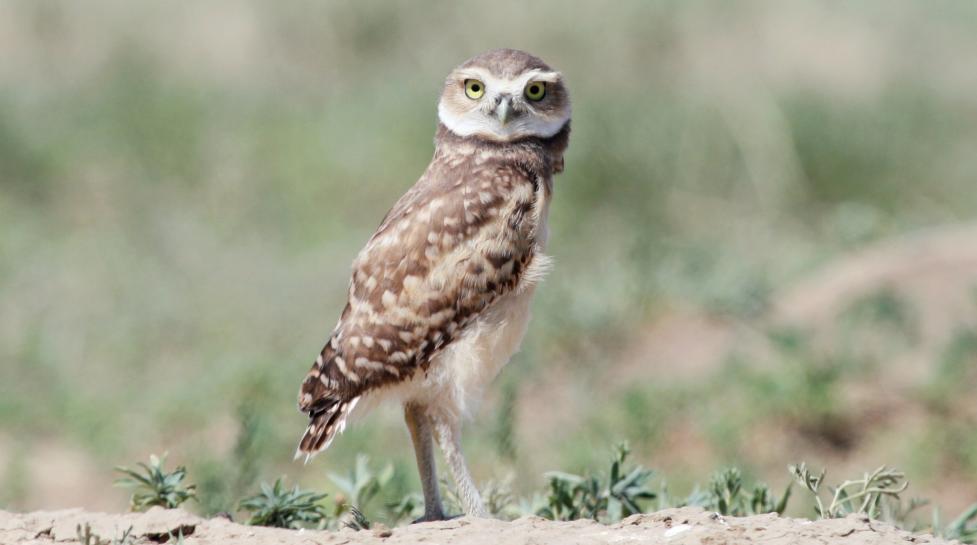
x=673 y=526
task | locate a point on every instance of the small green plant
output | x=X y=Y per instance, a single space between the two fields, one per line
x=727 y=494
x=153 y=486
x=86 y=537
x=626 y=488
x=863 y=495
x=282 y=508
x=572 y=496
x=727 y=497
x=569 y=497
x=362 y=485
x=962 y=528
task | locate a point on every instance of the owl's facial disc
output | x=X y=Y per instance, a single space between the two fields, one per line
x=476 y=102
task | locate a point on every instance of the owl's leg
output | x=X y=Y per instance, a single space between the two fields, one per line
x=419 y=425
x=448 y=433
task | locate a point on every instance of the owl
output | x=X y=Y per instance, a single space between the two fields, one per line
x=439 y=296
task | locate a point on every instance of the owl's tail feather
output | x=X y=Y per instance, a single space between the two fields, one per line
x=324 y=424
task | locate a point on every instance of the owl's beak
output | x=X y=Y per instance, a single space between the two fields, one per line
x=504 y=110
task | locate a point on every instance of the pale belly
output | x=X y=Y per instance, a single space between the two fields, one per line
x=456 y=378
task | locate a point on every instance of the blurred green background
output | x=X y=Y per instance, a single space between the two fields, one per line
x=764 y=239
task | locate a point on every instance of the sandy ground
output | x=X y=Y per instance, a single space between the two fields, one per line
x=673 y=526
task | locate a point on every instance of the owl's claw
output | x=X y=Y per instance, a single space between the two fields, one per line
x=433 y=517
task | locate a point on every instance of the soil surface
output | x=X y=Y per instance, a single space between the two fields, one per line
x=674 y=526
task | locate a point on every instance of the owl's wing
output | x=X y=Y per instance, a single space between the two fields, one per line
x=456 y=242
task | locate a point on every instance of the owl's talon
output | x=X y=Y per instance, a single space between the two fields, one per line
x=433 y=518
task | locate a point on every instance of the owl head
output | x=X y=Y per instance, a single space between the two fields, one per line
x=504 y=95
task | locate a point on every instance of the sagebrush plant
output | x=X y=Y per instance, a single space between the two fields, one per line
x=728 y=493
x=621 y=494
x=726 y=496
x=877 y=494
x=361 y=485
x=280 y=507
x=154 y=486
x=864 y=495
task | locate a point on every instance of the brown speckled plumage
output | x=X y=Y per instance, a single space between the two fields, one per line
x=467 y=234
x=455 y=242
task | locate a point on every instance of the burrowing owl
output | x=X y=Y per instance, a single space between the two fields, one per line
x=439 y=298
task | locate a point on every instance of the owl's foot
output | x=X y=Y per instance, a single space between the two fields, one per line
x=432 y=517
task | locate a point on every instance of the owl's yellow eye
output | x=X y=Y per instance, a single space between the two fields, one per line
x=535 y=91
x=474 y=89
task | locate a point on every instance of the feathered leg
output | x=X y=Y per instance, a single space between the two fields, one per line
x=448 y=433
x=419 y=425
